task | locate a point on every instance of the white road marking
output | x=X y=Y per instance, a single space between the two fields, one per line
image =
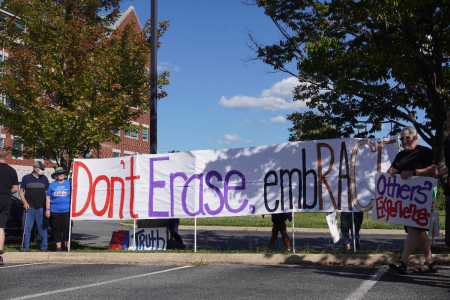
x=365 y=287
x=21 y=265
x=96 y=284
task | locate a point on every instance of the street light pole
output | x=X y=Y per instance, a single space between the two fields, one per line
x=154 y=78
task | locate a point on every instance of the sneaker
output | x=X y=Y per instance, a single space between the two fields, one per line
x=58 y=249
x=44 y=250
x=24 y=250
x=288 y=250
x=1 y=260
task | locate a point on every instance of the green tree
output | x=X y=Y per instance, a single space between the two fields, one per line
x=367 y=61
x=310 y=126
x=69 y=79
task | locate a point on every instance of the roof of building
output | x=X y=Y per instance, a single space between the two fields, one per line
x=120 y=18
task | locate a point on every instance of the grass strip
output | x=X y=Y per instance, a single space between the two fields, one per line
x=301 y=220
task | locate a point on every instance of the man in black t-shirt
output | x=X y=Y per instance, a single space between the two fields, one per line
x=414 y=160
x=8 y=186
x=33 y=189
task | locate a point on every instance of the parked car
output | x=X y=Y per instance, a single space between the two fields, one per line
x=14 y=224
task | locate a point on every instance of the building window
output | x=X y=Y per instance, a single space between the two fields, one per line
x=2 y=20
x=116 y=131
x=145 y=134
x=20 y=26
x=4 y=100
x=116 y=154
x=1 y=142
x=17 y=148
x=126 y=154
x=131 y=133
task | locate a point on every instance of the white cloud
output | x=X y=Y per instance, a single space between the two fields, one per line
x=270 y=99
x=282 y=89
x=166 y=66
x=233 y=139
x=248 y=121
x=278 y=120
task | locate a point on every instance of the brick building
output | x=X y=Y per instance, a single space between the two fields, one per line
x=132 y=143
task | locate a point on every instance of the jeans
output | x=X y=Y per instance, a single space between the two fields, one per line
x=34 y=214
x=346 y=226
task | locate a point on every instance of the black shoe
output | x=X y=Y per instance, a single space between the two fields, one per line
x=58 y=249
x=24 y=250
x=44 y=250
x=399 y=266
x=1 y=260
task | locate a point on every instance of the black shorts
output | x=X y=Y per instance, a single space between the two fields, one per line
x=280 y=218
x=416 y=228
x=4 y=214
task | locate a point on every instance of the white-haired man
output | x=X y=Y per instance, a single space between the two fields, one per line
x=414 y=160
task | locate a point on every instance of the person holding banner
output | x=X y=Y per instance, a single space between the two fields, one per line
x=8 y=185
x=414 y=160
x=444 y=171
x=58 y=207
x=279 y=225
x=346 y=226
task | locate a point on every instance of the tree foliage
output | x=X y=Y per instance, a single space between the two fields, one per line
x=310 y=126
x=374 y=62
x=70 y=79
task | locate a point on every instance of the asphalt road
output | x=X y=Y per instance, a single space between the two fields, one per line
x=99 y=233
x=78 y=281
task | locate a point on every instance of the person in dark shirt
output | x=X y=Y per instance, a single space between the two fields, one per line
x=33 y=189
x=279 y=225
x=444 y=171
x=414 y=160
x=8 y=186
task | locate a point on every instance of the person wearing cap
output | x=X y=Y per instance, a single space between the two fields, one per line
x=32 y=193
x=58 y=207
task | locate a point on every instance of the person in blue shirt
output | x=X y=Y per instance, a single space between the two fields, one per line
x=58 y=207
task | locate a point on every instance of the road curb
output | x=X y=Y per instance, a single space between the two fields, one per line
x=202 y=258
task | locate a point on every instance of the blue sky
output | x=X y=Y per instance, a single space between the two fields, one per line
x=216 y=101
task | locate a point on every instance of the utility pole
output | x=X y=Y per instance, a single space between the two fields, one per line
x=151 y=223
x=154 y=78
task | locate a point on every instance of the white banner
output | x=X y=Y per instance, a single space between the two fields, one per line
x=406 y=202
x=310 y=176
